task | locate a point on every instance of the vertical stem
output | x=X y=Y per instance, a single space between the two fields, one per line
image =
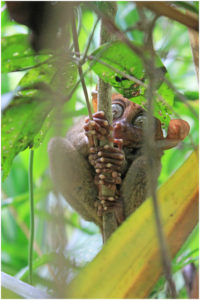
x=104 y=104
x=150 y=150
x=31 y=241
x=76 y=47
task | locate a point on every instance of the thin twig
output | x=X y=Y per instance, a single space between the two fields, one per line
x=76 y=47
x=31 y=241
x=34 y=66
x=89 y=41
x=150 y=149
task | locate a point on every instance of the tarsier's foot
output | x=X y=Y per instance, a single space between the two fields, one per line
x=110 y=204
x=107 y=162
x=106 y=204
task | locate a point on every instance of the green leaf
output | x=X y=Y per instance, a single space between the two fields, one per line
x=58 y=75
x=121 y=57
x=188 y=6
x=21 y=121
x=190 y=95
x=18 y=55
x=26 y=120
x=163 y=106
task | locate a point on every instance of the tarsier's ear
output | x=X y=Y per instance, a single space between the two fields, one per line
x=178 y=130
x=94 y=100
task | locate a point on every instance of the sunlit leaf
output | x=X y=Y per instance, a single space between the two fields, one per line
x=26 y=120
x=189 y=95
x=17 y=53
x=58 y=75
x=21 y=121
x=121 y=57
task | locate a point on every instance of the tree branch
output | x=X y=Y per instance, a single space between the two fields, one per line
x=165 y=9
x=104 y=104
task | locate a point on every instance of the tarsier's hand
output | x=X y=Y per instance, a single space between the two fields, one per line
x=106 y=160
x=98 y=128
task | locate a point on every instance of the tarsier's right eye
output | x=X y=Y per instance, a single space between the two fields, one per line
x=117 y=110
x=140 y=121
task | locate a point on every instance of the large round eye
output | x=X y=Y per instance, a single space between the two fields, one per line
x=117 y=110
x=140 y=121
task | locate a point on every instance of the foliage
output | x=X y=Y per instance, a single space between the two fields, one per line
x=23 y=120
x=35 y=87
x=17 y=54
x=119 y=56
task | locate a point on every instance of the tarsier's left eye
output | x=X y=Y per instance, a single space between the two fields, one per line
x=140 y=121
x=117 y=110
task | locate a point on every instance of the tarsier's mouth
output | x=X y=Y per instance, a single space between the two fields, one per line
x=131 y=136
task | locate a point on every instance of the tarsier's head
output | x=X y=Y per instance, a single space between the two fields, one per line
x=129 y=120
x=128 y=124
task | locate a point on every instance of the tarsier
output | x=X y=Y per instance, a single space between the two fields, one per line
x=77 y=167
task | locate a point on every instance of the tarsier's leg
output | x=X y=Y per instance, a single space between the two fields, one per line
x=72 y=176
x=134 y=188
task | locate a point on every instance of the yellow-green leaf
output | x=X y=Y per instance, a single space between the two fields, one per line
x=129 y=264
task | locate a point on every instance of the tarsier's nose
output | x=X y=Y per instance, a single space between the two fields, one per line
x=120 y=125
x=119 y=129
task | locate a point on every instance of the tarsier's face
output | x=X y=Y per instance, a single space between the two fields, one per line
x=128 y=122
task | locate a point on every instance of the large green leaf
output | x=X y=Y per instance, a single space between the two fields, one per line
x=59 y=75
x=17 y=54
x=21 y=121
x=119 y=56
x=26 y=120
